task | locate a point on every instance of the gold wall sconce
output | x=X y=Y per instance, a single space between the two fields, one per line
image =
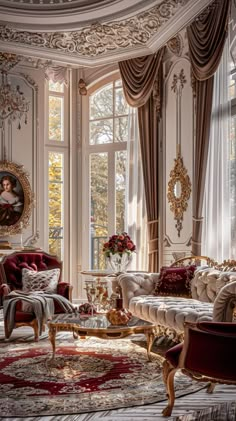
x=82 y=87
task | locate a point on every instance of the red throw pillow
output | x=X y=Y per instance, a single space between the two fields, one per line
x=175 y=281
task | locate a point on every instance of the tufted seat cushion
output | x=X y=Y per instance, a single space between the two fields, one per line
x=213 y=298
x=170 y=312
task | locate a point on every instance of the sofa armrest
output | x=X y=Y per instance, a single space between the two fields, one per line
x=218 y=328
x=210 y=350
x=225 y=303
x=65 y=289
x=136 y=284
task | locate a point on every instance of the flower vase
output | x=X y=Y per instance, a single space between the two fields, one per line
x=118 y=262
x=118 y=315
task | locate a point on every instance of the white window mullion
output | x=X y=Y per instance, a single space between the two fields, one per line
x=111 y=194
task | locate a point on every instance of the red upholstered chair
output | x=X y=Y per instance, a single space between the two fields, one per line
x=207 y=355
x=11 y=279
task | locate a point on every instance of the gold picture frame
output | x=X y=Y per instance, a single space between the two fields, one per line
x=16 y=198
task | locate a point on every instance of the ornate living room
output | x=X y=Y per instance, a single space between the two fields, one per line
x=117 y=210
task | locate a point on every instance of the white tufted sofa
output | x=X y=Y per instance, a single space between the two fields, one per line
x=213 y=298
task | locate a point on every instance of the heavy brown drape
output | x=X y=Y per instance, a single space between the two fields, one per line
x=138 y=77
x=206 y=37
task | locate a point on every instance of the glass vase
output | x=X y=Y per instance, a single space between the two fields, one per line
x=118 y=262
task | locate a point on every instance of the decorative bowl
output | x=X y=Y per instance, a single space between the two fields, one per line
x=118 y=316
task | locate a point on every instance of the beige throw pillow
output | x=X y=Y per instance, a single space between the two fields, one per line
x=45 y=280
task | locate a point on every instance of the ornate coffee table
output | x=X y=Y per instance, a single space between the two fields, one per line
x=99 y=326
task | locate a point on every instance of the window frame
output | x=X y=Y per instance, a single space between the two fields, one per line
x=87 y=149
x=61 y=147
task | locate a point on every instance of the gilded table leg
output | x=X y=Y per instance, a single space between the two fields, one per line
x=150 y=335
x=52 y=337
x=211 y=387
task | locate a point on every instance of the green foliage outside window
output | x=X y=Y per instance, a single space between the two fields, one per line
x=55 y=118
x=55 y=196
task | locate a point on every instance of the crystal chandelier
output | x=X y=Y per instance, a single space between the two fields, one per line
x=13 y=105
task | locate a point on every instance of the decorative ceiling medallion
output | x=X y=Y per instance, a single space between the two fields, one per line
x=179 y=189
x=99 y=38
x=175 y=45
x=42 y=3
x=47 y=5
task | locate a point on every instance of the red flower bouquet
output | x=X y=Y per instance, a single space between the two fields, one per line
x=118 y=251
x=119 y=243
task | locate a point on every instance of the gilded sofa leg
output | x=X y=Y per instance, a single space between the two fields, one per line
x=34 y=325
x=211 y=387
x=168 y=377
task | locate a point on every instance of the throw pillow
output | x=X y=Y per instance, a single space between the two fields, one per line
x=45 y=280
x=175 y=281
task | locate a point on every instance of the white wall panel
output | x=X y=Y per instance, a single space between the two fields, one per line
x=178 y=136
x=22 y=147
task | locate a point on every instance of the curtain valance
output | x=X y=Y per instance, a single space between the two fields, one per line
x=138 y=77
x=206 y=38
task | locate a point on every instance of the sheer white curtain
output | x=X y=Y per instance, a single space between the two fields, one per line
x=216 y=236
x=136 y=215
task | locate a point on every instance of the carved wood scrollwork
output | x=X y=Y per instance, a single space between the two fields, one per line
x=179 y=189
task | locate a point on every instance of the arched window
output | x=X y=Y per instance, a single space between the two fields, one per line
x=104 y=167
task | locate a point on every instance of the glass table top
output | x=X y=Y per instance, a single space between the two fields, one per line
x=97 y=321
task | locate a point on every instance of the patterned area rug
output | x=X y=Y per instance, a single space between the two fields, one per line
x=86 y=375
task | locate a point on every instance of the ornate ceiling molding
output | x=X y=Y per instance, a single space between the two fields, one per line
x=100 y=43
x=8 y=61
x=100 y=38
x=68 y=14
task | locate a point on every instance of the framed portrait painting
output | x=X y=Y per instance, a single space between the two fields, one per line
x=16 y=198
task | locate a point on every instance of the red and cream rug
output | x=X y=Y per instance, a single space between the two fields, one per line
x=86 y=375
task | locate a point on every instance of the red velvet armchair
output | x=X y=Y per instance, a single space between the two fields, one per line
x=207 y=355
x=11 y=279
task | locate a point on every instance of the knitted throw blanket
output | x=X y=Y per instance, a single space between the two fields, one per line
x=41 y=304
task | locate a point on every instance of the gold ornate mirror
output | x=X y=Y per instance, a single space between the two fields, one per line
x=179 y=189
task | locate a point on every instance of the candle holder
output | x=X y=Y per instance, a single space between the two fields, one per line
x=97 y=294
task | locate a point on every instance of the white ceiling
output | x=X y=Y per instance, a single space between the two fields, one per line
x=68 y=14
x=92 y=32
